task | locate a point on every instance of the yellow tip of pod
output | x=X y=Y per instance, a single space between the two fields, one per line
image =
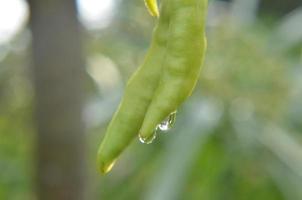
x=152 y=7
x=106 y=167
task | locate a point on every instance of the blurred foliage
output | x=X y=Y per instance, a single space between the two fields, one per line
x=16 y=135
x=237 y=137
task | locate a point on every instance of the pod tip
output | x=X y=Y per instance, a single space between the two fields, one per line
x=106 y=167
x=152 y=7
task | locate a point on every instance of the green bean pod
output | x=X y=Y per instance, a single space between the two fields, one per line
x=128 y=118
x=182 y=64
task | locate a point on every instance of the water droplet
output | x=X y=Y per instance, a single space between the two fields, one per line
x=148 y=140
x=163 y=126
x=107 y=167
x=168 y=122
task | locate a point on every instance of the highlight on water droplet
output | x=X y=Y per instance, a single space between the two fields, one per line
x=148 y=140
x=107 y=167
x=168 y=122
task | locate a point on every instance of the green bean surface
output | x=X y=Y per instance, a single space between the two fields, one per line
x=182 y=64
x=164 y=81
x=139 y=91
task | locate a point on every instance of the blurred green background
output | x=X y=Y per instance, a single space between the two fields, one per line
x=237 y=138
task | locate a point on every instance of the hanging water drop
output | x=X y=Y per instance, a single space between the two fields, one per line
x=163 y=126
x=148 y=140
x=168 y=122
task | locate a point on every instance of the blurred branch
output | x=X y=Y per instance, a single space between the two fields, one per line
x=245 y=11
x=278 y=141
x=289 y=32
x=58 y=71
x=287 y=149
x=288 y=182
